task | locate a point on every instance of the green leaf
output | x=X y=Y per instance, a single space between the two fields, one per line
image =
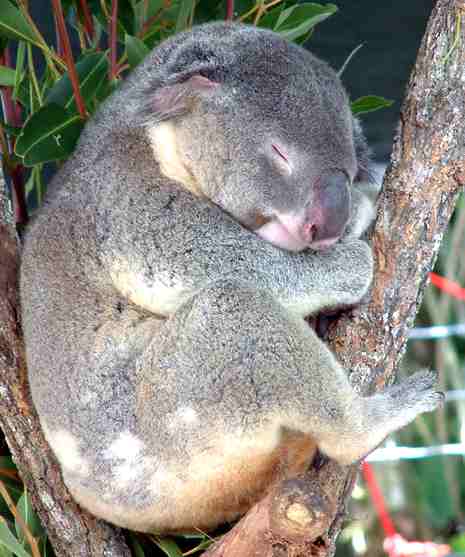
x=270 y=19
x=6 y=462
x=370 y=103
x=48 y=135
x=7 y=76
x=153 y=7
x=136 y=547
x=25 y=509
x=4 y=552
x=126 y=18
x=8 y=541
x=13 y=25
x=185 y=9
x=457 y=543
x=168 y=546
x=92 y=70
x=13 y=132
x=136 y=50
x=19 y=74
x=298 y=20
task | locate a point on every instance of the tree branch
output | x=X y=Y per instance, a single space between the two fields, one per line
x=299 y=517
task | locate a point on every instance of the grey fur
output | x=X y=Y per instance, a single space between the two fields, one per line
x=167 y=352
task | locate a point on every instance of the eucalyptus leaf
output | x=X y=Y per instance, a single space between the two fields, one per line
x=19 y=74
x=168 y=546
x=270 y=19
x=298 y=20
x=8 y=541
x=126 y=18
x=136 y=50
x=182 y=20
x=12 y=131
x=7 y=76
x=92 y=70
x=25 y=509
x=370 y=103
x=136 y=546
x=48 y=135
x=6 y=462
x=13 y=25
x=4 y=552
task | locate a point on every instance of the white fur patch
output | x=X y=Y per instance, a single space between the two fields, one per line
x=162 y=138
x=131 y=464
x=66 y=448
x=185 y=415
x=365 y=215
x=157 y=297
x=126 y=446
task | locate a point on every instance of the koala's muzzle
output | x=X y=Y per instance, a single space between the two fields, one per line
x=328 y=211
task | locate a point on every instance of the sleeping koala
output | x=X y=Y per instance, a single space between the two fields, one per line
x=213 y=202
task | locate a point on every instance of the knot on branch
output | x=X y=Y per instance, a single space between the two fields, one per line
x=300 y=511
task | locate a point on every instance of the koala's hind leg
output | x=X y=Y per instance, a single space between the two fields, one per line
x=371 y=419
x=231 y=387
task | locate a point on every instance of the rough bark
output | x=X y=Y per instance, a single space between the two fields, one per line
x=420 y=189
x=300 y=517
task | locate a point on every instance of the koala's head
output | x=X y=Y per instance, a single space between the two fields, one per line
x=260 y=127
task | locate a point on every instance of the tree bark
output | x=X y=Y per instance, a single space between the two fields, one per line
x=301 y=517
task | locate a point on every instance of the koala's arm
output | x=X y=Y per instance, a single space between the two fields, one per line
x=175 y=244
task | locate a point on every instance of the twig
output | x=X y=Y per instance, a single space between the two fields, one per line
x=88 y=22
x=19 y=519
x=64 y=37
x=112 y=33
x=229 y=10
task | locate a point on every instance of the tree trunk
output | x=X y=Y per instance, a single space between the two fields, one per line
x=300 y=517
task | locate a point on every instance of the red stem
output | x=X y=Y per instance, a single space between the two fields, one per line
x=229 y=9
x=88 y=22
x=68 y=55
x=12 y=115
x=378 y=500
x=149 y=22
x=113 y=36
x=19 y=197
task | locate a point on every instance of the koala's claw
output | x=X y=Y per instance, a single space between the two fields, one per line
x=418 y=392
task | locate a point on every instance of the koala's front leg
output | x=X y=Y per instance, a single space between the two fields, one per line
x=160 y=258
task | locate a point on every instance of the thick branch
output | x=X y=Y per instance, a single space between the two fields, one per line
x=419 y=195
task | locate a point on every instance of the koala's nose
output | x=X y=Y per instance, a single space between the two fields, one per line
x=328 y=211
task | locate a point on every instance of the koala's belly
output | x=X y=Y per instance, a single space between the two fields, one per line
x=211 y=490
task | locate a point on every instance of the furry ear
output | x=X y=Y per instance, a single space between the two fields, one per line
x=170 y=101
x=363 y=154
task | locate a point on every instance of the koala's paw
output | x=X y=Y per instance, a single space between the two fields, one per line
x=355 y=269
x=418 y=392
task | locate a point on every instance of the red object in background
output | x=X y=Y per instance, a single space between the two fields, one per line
x=448 y=286
x=394 y=544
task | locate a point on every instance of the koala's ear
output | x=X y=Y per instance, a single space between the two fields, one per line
x=178 y=98
x=363 y=154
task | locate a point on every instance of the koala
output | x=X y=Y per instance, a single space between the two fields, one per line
x=214 y=201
